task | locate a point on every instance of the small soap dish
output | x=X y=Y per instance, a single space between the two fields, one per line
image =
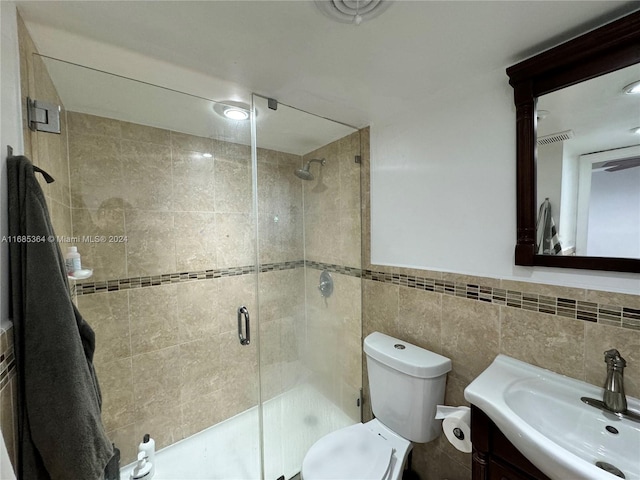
x=81 y=274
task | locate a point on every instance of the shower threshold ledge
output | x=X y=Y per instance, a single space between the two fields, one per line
x=230 y=449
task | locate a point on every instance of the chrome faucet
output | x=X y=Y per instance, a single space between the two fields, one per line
x=614 y=399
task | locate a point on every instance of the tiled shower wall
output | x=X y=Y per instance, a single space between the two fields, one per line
x=163 y=301
x=333 y=242
x=168 y=357
x=473 y=319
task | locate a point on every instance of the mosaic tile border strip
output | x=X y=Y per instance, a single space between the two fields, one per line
x=613 y=315
x=7 y=359
x=331 y=267
x=87 y=288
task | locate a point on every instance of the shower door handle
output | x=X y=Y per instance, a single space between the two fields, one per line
x=243 y=312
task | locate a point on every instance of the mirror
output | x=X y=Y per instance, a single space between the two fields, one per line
x=578 y=158
x=588 y=168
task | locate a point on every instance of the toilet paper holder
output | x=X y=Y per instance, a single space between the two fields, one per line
x=456 y=426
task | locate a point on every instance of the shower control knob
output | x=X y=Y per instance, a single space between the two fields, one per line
x=326 y=284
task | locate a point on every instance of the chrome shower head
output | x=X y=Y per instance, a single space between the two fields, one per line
x=304 y=172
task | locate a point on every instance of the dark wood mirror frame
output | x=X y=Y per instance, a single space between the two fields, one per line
x=611 y=47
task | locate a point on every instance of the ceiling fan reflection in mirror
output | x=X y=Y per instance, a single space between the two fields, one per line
x=616 y=165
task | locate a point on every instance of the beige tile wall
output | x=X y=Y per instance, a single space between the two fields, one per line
x=332 y=204
x=182 y=212
x=332 y=236
x=472 y=333
x=334 y=350
x=168 y=356
x=280 y=213
x=282 y=331
x=178 y=210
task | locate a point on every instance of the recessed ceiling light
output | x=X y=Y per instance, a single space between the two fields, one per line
x=232 y=110
x=636 y=130
x=207 y=155
x=235 y=113
x=632 y=88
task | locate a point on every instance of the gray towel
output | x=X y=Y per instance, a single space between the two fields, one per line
x=548 y=242
x=60 y=430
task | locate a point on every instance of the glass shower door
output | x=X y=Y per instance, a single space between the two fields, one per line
x=309 y=244
x=165 y=182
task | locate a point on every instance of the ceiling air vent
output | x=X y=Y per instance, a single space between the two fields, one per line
x=555 y=137
x=352 y=11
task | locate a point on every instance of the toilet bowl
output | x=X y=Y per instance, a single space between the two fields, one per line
x=406 y=384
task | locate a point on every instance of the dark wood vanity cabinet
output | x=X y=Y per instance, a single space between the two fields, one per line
x=495 y=457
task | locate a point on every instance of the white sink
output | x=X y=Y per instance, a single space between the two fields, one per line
x=541 y=413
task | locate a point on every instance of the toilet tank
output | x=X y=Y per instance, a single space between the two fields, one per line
x=406 y=383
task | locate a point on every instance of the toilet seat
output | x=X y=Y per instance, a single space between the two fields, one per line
x=353 y=452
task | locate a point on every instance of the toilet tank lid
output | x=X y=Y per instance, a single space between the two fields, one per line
x=405 y=357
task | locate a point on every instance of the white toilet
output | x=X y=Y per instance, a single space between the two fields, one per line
x=406 y=384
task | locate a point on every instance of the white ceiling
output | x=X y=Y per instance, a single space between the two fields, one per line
x=91 y=91
x=358 y=75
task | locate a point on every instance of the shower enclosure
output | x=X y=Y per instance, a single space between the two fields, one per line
x=225 y=292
